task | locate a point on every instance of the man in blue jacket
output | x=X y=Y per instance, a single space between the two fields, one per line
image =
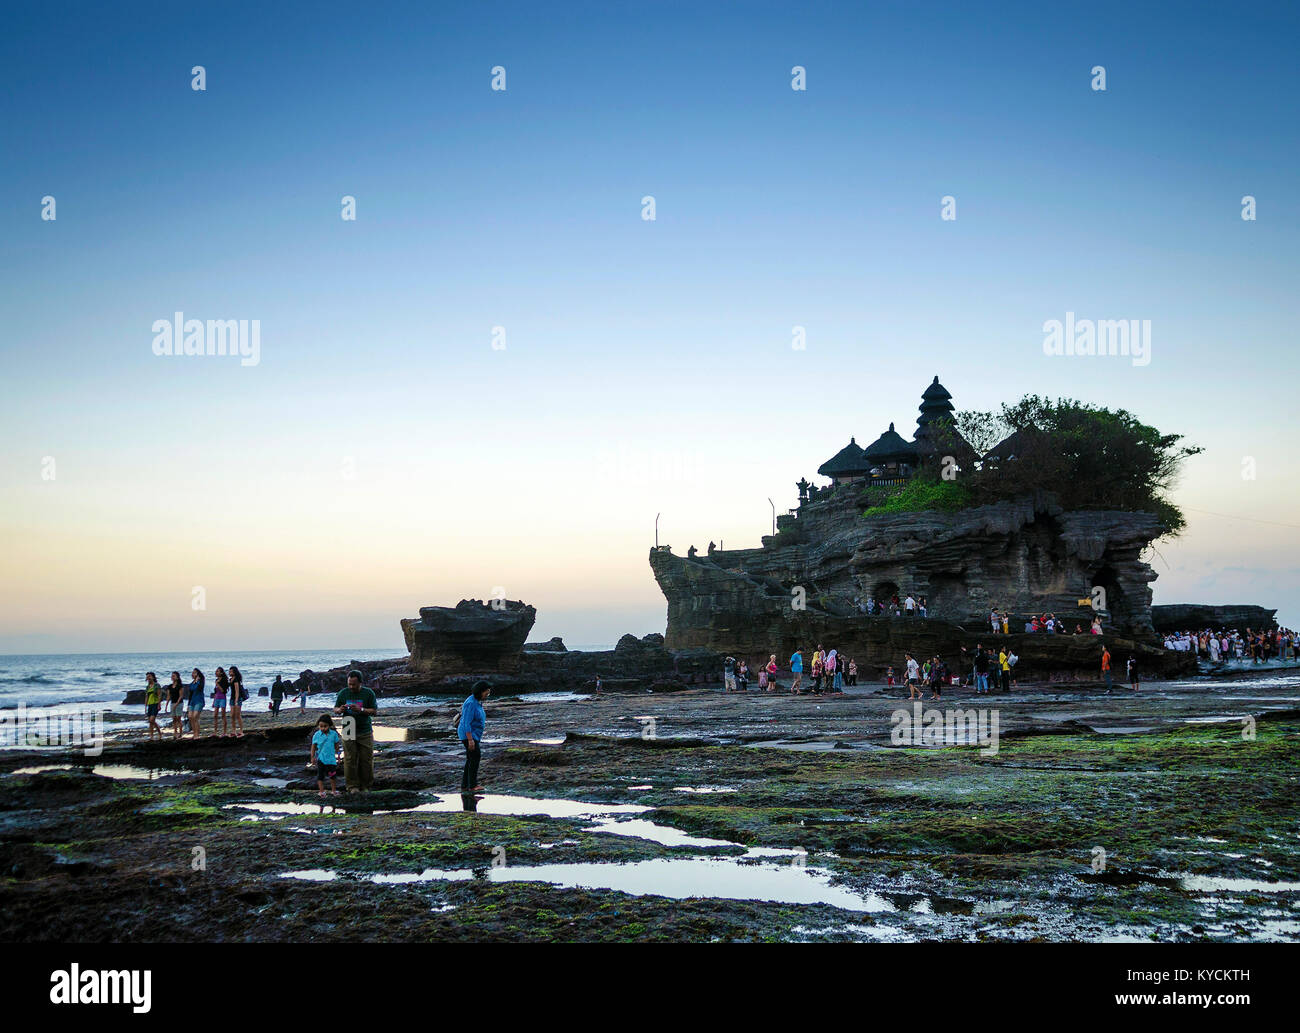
x=470 y=730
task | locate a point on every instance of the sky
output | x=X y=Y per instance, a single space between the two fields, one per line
x=392 y=449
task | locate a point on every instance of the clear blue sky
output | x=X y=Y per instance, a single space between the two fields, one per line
x=648 y=365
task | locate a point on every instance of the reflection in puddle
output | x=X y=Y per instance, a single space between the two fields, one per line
x=679 y=879
x=313 y=875
x=664 y=835
x=1210 y=884
x=703 y=789
x=522 y=806
x=271 y=783
x=275 y=811
x=394 y=733
x=124 y=771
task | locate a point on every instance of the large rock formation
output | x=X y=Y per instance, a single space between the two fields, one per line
x=1026 y=556
x=1199 y=616
x=469 y=638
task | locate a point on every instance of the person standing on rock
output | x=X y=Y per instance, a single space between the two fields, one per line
x=913 y=677
x=1004 y=669
x=981 y=669
x=729 y=674
x=1105 y=666
x=220 y=719
x=1133 y=676
x=473 y=718
x=277 y=695
x=325 y=754
x=357 y=705
x=772 y=672
x=237 y=696
x=152 y=701
x=796 y=669
x=194 y=702
x=175 y=692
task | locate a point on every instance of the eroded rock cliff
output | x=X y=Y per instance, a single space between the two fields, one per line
x=1026 y=556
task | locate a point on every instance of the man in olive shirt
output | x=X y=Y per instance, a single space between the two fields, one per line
x=357 y=706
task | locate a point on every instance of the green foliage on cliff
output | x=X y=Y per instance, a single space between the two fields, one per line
x=1089 y=456
x=922 y=493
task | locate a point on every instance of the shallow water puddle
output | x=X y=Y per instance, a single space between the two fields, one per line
x=1211 y=884
x=522 y=806
x=607 y=817
x=312 y=875
x=276 y=811
x=664 y=835
x=394 y=733
x=679 y=879
x=119 y=771
x=703 y=789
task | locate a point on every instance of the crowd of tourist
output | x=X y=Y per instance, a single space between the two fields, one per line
x=893 y=606
x=828 y=671
x=1046 y=623
x=1258 y=647
x=184 y=702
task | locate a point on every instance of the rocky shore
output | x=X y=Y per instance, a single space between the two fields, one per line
x=692 y=815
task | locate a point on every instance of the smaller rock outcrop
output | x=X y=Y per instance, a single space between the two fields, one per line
x=470 y=637
x=551 y=645
x=1199 y=617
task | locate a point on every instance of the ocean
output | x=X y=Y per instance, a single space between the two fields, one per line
x=54 y=680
